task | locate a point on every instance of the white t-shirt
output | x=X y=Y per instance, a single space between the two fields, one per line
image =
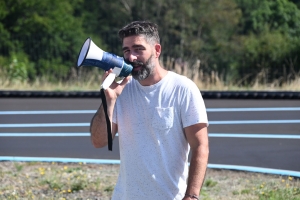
x=153 y=148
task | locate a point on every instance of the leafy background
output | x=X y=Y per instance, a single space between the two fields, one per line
x=240 y=42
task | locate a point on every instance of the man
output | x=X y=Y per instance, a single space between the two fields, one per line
x=159 y=116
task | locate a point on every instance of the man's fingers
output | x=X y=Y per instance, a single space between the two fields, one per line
x=125 y=81
x=105 y=74
x=116 y=86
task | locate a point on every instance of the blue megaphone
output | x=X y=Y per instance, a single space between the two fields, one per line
x=91 y=55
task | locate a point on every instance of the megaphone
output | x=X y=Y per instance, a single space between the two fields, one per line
x=91 y=55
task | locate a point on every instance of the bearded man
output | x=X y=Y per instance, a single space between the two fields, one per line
x=160 y=117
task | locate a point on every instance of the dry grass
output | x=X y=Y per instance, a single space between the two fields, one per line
x=37 y=180
x=89 y=79
x=56 y=180
x=213 y=81
x=89 y=85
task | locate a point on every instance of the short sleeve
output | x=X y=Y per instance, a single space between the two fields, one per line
x=193 y=110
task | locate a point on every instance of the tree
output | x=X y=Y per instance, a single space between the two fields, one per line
x=46 y=31
x=270 y=37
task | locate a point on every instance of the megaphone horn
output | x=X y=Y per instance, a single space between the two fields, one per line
x=91 y=55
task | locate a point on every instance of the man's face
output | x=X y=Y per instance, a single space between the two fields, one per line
x=140 y=55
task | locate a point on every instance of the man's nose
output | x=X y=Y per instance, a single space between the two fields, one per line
x=132 y=57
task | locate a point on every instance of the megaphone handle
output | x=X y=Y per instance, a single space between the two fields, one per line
x=108 y=81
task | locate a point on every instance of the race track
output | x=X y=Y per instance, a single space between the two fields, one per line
x=260 y=134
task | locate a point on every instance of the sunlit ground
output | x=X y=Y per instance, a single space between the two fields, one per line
x=38 y=180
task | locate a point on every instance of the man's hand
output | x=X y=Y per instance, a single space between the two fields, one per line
x=115 y=89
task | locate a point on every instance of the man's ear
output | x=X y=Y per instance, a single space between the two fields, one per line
x=157 y=50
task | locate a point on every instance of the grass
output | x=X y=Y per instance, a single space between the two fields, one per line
x=239 y=185
x=89 y=85
x=15 y=76
x=90 y=80
x=40 y=180
x=26 y=180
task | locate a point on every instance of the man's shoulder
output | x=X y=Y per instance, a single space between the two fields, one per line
x=181 y=80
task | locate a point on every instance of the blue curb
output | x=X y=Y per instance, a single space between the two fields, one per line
x=112 y=162
x=256 y=169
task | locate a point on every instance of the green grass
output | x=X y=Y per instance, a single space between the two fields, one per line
x=37 y=180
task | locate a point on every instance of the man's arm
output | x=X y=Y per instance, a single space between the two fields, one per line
x=98 y=128
x=197 y=137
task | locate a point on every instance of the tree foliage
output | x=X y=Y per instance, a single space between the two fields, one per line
x=237 y=39
x=269 y=32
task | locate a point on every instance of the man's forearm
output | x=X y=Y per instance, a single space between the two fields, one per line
x=98 y=129
x=197 y=170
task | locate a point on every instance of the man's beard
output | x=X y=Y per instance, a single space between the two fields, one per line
x=145 y=71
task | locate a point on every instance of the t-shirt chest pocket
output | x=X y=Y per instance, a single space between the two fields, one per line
x=163 y=118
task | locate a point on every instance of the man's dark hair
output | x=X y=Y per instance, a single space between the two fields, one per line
x=148 y=29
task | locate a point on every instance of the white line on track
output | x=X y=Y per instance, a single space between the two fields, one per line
x=217 y=135
x=233 y=122
x=46 y=112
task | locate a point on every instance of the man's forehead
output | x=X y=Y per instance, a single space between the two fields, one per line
x=134 y=40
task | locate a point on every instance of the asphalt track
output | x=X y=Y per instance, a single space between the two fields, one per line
x=254 y=135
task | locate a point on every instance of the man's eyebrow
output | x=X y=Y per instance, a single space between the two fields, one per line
x=133 y=46
x=137 y=45
x=125 y=48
